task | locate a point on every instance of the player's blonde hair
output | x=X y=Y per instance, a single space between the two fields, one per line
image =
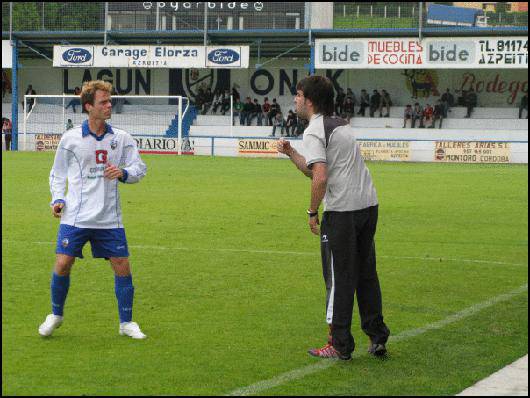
x=88 y=92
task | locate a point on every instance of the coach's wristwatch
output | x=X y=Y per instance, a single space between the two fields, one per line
x=312 y=214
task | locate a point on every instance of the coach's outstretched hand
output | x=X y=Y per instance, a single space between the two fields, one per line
x=284 y=147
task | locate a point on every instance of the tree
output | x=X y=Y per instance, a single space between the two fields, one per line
x=54 y=16
x=501 y=7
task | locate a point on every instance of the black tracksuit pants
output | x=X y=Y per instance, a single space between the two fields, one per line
x=349 y=266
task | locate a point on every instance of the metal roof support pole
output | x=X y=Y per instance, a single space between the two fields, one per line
x=11 y=22
x=205 y=24
x=308 y=21
x=14 y=95
x=105 y=27
x=312 y=60
x=420 y=17
x=259 y=54
x=157 y=15
x=258 y=66
x=36 y=51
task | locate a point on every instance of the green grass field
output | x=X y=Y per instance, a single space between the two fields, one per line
x=228 y=283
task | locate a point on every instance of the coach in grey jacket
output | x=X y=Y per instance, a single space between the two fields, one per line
x=340 y=178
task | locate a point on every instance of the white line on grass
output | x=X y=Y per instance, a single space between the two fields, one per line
x=325 y=364
x=315 y=253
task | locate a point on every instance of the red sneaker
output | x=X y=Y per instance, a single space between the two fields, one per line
x=328 y=351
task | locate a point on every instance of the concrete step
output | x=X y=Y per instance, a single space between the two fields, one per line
x=504 y=124
x=375 y=133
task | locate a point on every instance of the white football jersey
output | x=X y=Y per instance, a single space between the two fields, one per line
x=92 y=200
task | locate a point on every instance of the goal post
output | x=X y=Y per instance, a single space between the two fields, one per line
x=47 y=117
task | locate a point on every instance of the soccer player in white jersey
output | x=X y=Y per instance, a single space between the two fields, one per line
x=92 y=158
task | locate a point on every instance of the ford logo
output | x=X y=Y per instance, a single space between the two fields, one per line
x=77 y=55
x=223 y=56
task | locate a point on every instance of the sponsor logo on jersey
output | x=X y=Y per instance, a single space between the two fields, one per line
x=101 y=156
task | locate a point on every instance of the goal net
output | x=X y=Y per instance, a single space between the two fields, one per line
x=47 y=117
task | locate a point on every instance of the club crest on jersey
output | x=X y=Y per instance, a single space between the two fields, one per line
x=65 y=242
x=101 y=156
x=113 y=144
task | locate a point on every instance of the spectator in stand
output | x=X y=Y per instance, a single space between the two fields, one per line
x=417 y=114
x=375 y=102
x=275 y=108
x=386 y=102
x=470 y=101
x=257 y=113
x=339 y=101
x=208 y=100
x=7 y=128
x=461 y=101
x=199 y=99
x=291 y=124
x=217 y=101
x=31 y=101
x=349 y=109
x=6 y=84
x=266 y=108
x=438 y=113
x=301 y=124
x=350 y=94
x=365 y=102
x=225 y=102
x=235 y=93
x=428 y=113
x=407 y=115
x=248 y=109
x=523 y=106
x=238 y=111
x=278 y=122
x=75 y=101
x=448 y=101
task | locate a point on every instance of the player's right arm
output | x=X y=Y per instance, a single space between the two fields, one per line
x=58 y=179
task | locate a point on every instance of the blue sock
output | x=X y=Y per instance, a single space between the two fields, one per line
x=59 y=289
x=124 y=293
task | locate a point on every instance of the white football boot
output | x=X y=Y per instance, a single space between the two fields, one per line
x=131 y=329
x=51 y=323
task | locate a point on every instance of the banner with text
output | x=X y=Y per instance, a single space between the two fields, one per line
x=151 y=56
x=257 y=147
x=410 y=53
x=385 y=150
x=47 y=142
x=472 y=152
x=162 y=146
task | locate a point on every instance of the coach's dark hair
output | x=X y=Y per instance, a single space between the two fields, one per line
x=319 y=90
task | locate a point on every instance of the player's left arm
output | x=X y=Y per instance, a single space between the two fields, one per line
x=318 y=191
x=131 y=165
